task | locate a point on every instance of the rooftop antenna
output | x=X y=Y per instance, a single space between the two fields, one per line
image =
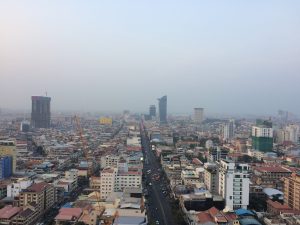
x=46 y=93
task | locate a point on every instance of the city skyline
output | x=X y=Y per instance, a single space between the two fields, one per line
x=110 y=57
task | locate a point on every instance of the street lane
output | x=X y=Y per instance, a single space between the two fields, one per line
x=159 y=206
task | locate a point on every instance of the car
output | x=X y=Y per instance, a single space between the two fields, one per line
x=156 y=222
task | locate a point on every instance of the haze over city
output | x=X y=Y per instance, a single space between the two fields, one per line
x=228 y=57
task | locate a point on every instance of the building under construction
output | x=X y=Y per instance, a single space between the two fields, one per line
x=40 y=112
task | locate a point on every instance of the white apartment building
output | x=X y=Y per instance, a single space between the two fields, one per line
x=109 y=161
x=14 y=188
x=228 y=130
x=128 y=179
x=234 y=184
x=107 y=185
x=116 y=179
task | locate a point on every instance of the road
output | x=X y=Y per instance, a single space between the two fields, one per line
x=159 y=207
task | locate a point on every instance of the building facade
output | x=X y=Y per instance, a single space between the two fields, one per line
x=41 y=194
x=292 y=191
x=262 y=136
x=234 y=184
x=211 y=177
x=8 y=148
x=40 y=112
x=5 y=167
x=270 y=177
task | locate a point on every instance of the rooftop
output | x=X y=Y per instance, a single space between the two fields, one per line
x=9 y=211
x=68 y=213
x=272 y=169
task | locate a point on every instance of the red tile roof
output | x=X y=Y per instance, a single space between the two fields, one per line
x=38 y=187
x=69 y=214
x=9 y=211
x=204 y=217
x=277 y=205
x=272 y=169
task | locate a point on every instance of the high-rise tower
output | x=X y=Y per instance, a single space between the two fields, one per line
x=228 y=130
x=40 y=113
x=152 y=111
x=198 y=115
x=262 y=136
x=162 y=107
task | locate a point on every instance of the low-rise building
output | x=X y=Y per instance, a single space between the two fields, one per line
x=270 y=176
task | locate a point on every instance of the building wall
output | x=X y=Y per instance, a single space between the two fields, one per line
x=211 y=178
x=32 y=197
x=292 y=191
x=263 y=144
x=72 y=175
x=9 y=148
x=107 y=182
x=127 y=181
x=14 y=189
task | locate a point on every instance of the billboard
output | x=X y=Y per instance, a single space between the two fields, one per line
x=105 y=121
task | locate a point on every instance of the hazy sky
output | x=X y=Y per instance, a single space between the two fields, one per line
x=225 y=56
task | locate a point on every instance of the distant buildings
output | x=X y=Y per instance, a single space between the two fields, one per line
x=234 y=184
x=152 y=111
x=25 y=126
x=162 y=106
x=198 y=115
x=228 y=130
x=40 y=113
x=217 y=153
x=293 y=133
x=262 y=136
x=8 y=148
x=292 y=191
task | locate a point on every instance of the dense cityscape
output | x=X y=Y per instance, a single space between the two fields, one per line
x=136 y=112
x=151 y=168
